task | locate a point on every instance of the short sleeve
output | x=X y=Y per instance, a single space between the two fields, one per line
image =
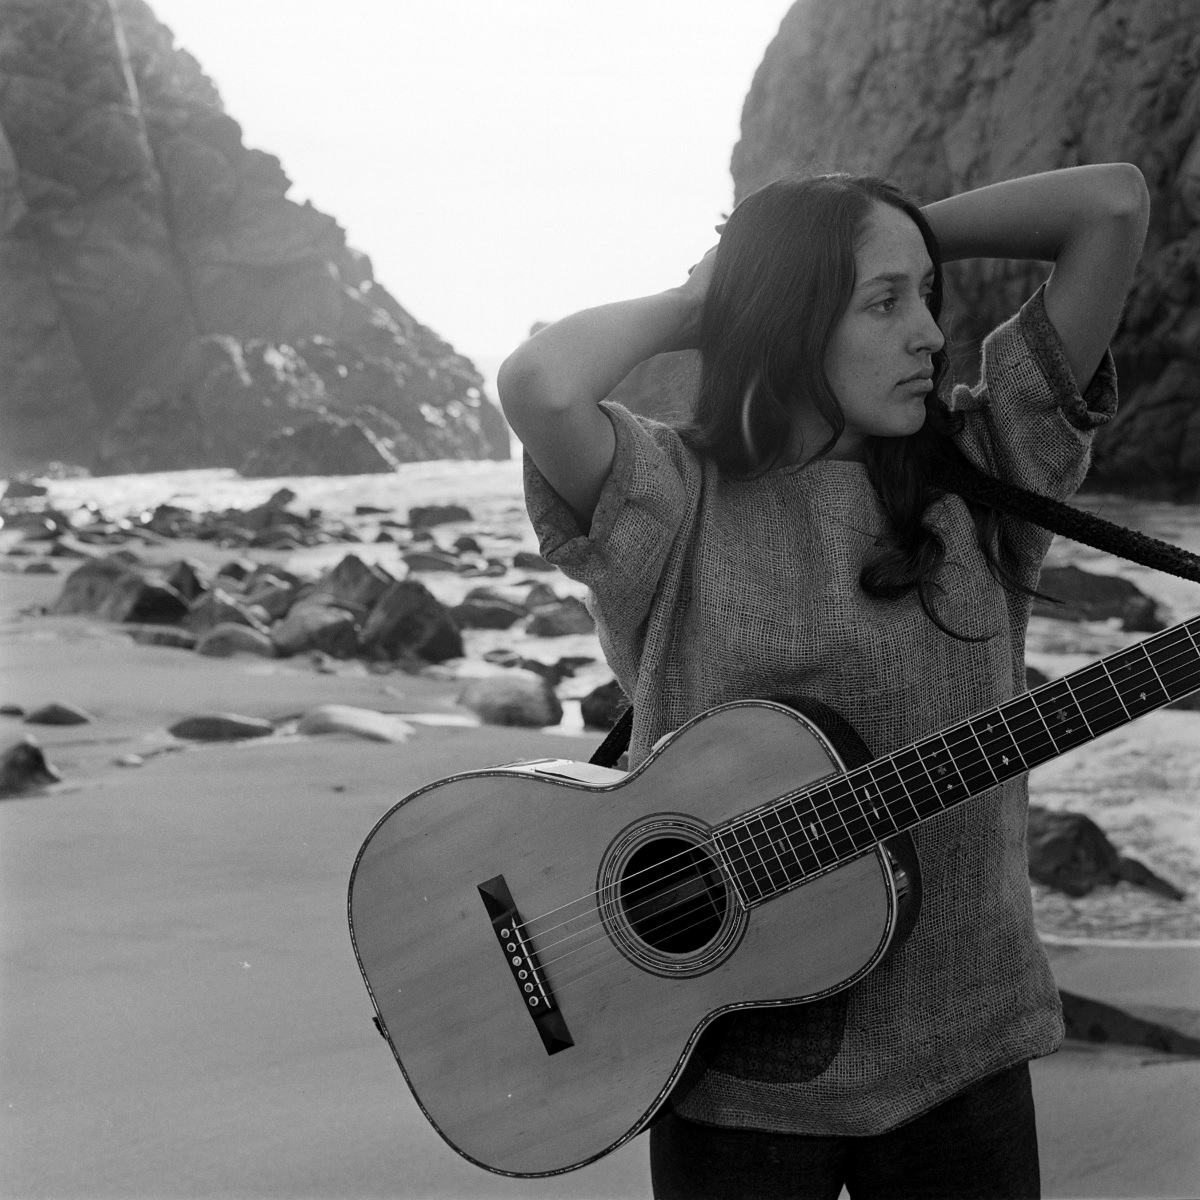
x=649 y=491
x=1027 y=421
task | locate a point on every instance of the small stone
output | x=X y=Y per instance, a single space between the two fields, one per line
x=221 y=727
x=23 y=767
x=164 y=635
x=130 y=760
x=603 y=705
x=58 y=714
x=513 y=697
x=558 y=620
x=363 y=722
x=430 y=560
x=229 y=638
x=40 y=567
x=11 y=710
x=423 y=516
x=526 y=560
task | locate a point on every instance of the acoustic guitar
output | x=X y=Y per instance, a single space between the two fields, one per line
x=544 y=942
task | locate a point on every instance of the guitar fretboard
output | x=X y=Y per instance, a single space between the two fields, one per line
x=779 y=845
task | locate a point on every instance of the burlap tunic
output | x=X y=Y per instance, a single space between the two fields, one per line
x=707 y=588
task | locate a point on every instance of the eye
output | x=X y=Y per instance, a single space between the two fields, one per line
x=927 y=298
x=885 y=305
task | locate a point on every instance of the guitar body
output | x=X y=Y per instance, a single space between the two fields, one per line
x=631 y=938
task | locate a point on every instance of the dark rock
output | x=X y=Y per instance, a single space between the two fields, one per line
x=565 y=617
x=323 y=445
x=41 y=567
x=430 y=560
x=526 y=560
x=58 y=714
x=221 y=727
x=426 y=515
x=515 y=697
x=225 y=640
x=1071 y=853
x=23 y=489
x=409 y=621
x=11 y=710
x=1034 y=678
x=603 y=705
x=23 y=768
x=324 y=627
x=187 y=578
x=487 y=614
x=353 y=585
x=466 y=544
x=111 y=589
x=540 y=594
x=164 y=635
x=237 y=570
x=1086 y=596
x=1091 y=1020
x=218 y=607
x=274 y=594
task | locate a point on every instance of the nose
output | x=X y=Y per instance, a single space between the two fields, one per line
x=926 y=336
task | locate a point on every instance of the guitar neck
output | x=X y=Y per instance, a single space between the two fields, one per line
x=773 y=848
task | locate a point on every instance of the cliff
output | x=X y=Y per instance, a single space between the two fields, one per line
x=165 y=305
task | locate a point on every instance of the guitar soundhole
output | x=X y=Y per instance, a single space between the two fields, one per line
x=664 y=898
x=672 y=896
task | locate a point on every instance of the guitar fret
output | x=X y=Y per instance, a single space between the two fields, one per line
x=1016 y=747
x=767 y=869
x=994 y=778
x=1093 y=687
x=922 y=792
x=1061 y=715
x=1091 y=733
x=938 y=761
x=1027 y=727
x=997 y=746
x=874 y=807
x=1175 y=651
x=786 y=863
x=794 y=827
x=744 y=879
x=1137 y=681
x=858 y=827
x=833 y=821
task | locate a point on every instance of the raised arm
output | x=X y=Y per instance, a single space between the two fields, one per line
x=1088 y=221
x=550 y=385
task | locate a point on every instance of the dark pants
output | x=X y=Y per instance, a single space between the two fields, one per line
x=978 y=1145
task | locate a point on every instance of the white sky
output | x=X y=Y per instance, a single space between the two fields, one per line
x=500 y=161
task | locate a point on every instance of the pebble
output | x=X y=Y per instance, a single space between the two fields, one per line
x=364 y=722
x=221 y=727
x=58 y=714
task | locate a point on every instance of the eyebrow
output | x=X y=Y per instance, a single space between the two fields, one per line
x=893 y=277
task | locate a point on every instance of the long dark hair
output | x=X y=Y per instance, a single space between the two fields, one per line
x=782 y=279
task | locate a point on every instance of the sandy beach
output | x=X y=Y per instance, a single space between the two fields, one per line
x=182 y=1012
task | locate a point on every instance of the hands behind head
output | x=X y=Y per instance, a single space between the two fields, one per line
x=700 y=275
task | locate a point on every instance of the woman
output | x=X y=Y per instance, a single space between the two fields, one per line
x=792 y=539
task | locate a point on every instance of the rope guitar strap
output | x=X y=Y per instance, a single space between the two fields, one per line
x=1074 y=523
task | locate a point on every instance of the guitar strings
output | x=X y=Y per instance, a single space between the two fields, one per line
x=888 y=793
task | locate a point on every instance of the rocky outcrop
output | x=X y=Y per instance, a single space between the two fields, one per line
x=165 y=304
x=943 y=96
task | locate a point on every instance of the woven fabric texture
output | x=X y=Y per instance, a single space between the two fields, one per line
x=707 y=589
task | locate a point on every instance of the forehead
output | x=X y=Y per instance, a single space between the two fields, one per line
x=890 y=243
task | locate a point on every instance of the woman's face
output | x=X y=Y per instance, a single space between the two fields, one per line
x=880 y=359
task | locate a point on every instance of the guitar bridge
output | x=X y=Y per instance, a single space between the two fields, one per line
x=536 y=997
